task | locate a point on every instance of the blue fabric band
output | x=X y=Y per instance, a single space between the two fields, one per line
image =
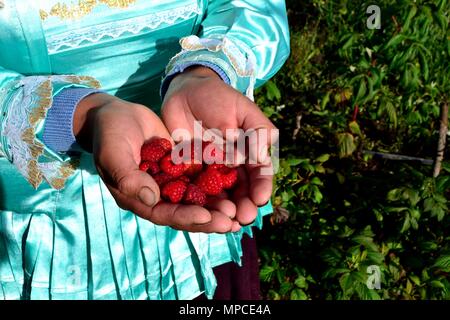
x=58 y=128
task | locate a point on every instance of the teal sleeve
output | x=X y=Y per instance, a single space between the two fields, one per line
x=261 y=26
x=248 y=40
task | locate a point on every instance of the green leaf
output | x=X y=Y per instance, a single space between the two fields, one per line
x=395 y=40
x=415 y=279
x=296 y=162
x=412 y=12
x=406 y=224
x=386 y=106
x=316 y=181
x=354 y=128
x=323 y=158
x=301 y=282
x=347 y=283
x=318 y=196
x=424 y=66
x=298 y=294
x=394 y=194
x=366 y=242
x=437 y=284
x=346 y=144
x=285 y=288
x=362 y=89
x=331 y=256
x=266 y=273
x=411 y=195
x=443 y=263
x=325 y=101
x=273 y=93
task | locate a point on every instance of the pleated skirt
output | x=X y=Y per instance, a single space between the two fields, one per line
x=76 y=243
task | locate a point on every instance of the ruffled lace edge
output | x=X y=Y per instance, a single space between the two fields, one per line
x=26 y=103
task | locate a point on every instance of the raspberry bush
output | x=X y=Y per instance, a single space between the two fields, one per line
x=352 y=104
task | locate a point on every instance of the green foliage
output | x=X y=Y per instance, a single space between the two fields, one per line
x=338 y=211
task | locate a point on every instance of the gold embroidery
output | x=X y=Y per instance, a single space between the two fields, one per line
x=43 y=14
x=34 y=174
x=36 y=148
x=83 y=8
x=65 y=171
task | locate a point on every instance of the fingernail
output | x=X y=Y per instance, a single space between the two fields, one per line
x=204 y=219
x=147 y=196
x=245 y=225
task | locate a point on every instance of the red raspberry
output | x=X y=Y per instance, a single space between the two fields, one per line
x=162 y=178
x=192 y=169
x=229 y=177
x=194 y=195
x=153 y=169
x=184 y=179
x=175 y=170
x=194 y=165
x=217 y=166
x=212 y=153
x=167 y=146
x=210 y=181
x=152 y=151
x=173 y=191
x=145 y=165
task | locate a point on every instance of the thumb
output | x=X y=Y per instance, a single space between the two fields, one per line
x=259 y=129
x=118 y=168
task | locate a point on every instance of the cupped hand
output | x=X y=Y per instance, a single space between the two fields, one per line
x=198 y=94
x=115 y=130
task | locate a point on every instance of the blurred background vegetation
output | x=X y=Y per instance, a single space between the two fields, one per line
x=352 y=105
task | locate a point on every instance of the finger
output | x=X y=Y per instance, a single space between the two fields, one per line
x=220 y=223
x=225 y=206
x=116 y=163
x=246 y=210
x=236 y=226
x=166 y=214
x=175 y=115
x=190 y=218
x=260 y=183
x=179 y=216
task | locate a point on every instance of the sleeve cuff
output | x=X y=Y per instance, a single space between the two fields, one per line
x=58 y=129
x=231 y=59
x=179 y=68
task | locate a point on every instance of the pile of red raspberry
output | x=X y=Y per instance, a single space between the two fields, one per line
x=191 y=181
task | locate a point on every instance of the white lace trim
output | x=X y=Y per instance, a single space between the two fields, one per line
x=241 y=58
x=27 y=108
x=115 y=29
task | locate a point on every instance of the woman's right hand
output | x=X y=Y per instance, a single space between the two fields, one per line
x=114 y=130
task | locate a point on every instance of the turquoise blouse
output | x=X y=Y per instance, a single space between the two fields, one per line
x=62 y=236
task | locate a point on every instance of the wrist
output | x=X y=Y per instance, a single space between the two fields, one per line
x=196 y=72
x=199 y=71
x=84 y=117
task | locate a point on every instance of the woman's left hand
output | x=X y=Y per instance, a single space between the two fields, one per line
x=198 y=94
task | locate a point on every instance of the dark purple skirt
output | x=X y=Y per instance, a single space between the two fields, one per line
x=239 y=283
